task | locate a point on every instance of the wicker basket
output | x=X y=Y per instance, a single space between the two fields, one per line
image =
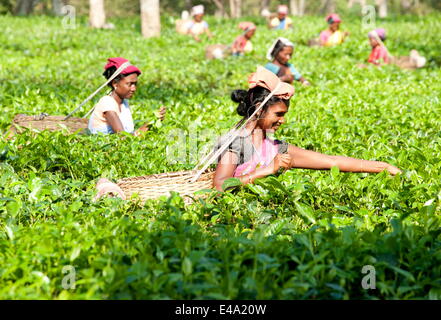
x=156 y=185
x=217 y=51
x=46 y=122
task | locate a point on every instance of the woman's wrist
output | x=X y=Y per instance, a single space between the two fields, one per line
x=258 y=173
x=246 y=179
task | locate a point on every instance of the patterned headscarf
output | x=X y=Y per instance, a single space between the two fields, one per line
x=270 y=55
x=268 y=80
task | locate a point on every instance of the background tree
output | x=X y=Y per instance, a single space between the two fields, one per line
x=382 y=8
x=57 y=6
x=25 y=7
x=328 y=6
x=351 y=3
x=220 y=8
x=126 y=8
x=236 y=8
x=150 y=18
x=265 y=4
x=97 y=16
x=297 y=7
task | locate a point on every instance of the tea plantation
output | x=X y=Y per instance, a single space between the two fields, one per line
x=304 y=234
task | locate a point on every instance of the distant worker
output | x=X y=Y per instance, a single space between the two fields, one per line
x=282 y=21
x=380 y=55
x=333 y=35
x=242 y=44
x=112 y=113
x=198 y=25
x=279 y=54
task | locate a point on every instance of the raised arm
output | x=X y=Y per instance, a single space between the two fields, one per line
x=306 y=159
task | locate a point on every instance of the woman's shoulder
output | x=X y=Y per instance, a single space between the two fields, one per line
x=203 y=23
x=106 y=103
x=236 y=145
x=106 y=100
x=282 y=145
x=272 y=67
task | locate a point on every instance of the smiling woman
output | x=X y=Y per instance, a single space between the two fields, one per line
x=252 y=155
x=112 y=112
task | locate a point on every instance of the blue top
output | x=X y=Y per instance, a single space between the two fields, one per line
x=275 y=69
x=281 y=25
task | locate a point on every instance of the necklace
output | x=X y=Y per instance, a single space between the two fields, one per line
x=259 y=156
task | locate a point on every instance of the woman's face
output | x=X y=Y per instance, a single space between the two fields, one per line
x=281 y=16
x=334 y=26
x=198 y=17
x=274 y=117
x=373 y=42
x=126 y=87
x=250 y=34
x=284 y=55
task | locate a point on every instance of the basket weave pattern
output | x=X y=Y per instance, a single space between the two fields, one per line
x=51 y=123
x=156 y=185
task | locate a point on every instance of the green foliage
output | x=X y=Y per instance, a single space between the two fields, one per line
x=300 y=235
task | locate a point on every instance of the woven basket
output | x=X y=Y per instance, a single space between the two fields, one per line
x=51 y=123
x=156 y=185
x=217 y=51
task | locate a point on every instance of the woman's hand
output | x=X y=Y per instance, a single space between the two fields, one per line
x=287 y=78
x=392 y=169
x=280 y=161
x=143 y=128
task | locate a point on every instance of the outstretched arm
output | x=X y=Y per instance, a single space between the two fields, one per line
x=208 y=32
x=304 y=81
x=306 y=159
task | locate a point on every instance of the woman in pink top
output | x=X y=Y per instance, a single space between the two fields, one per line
x=379 y=53
x=333 y=35
x=252 y=155
x=242 y=44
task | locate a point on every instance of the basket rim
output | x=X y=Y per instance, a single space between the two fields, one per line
x=28 y=118
x=175 y=175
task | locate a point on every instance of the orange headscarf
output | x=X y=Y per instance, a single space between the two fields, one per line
x=266 y=79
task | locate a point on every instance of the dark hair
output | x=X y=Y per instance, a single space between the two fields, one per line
x=110 y=71
x=277 y=48
x=248 y=99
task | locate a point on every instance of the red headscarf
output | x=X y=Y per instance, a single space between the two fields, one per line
x=118 y=62
x=333 y=17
